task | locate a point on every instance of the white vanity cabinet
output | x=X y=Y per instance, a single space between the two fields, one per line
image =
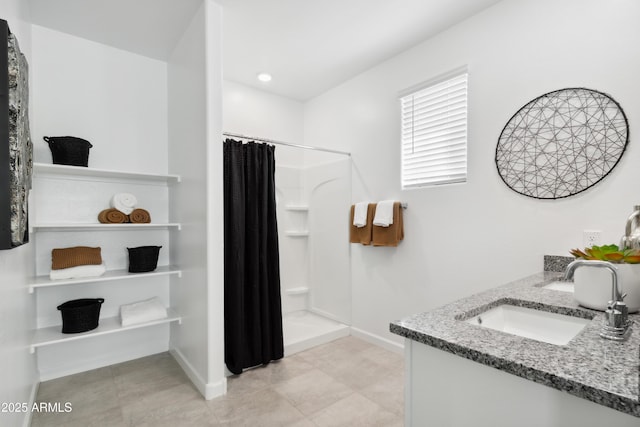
x=443 y=389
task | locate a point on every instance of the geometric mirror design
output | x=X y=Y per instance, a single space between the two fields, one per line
x=562 y=143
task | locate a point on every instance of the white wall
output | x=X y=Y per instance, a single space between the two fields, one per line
x=461 y=239
x=215 y=232
x=256 y=113
x=118 y=101
x=195 y=153
x=112 y=98
x=17 y=366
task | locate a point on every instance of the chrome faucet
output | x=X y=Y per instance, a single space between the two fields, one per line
x=617 y=322
x=631 y=238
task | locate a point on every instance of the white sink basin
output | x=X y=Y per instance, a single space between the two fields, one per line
x=560 y=286
x=552 y=328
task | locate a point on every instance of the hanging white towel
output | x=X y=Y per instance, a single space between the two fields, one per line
x=142 y=311
x=360 y=214
x=78 y=272
x=124 y=202
x=384 y=213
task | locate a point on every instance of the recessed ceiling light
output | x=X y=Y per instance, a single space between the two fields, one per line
x=264 y=77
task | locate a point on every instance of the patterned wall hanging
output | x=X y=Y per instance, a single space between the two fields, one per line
x=16 y=149
x=562 y=143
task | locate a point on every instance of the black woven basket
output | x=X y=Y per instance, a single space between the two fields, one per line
x=80 y=315
x=143 y=258
x=69 y=150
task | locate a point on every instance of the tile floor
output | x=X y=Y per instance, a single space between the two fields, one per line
x=347 y=382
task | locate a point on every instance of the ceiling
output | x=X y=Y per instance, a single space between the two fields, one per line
x=148 y=27
x=309 y=46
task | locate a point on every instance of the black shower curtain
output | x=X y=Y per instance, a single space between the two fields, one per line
x=252 y=306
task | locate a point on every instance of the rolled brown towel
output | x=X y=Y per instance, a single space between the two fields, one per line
x=75 y=256
x=140 y=216
x=112 y=216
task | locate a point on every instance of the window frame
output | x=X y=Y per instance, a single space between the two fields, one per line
x=454 y=145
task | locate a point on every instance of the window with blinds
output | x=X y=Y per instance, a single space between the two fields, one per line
x=434 y=132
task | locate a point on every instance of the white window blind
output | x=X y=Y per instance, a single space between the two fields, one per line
x=434 y=133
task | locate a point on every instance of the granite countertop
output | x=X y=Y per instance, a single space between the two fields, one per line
x=602 y=371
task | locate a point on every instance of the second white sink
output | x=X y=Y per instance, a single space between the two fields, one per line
x=539 y=325
x=560 y=286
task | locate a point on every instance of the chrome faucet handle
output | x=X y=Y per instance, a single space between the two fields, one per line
x=617 y=315
x=617 y=324
x=615 y=319
x=621 y=307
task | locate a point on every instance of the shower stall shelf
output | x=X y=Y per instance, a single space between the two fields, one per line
x=66 y=201
x=297 y=220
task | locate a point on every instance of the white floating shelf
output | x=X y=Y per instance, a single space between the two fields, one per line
x=79 y=172
x=300 y=290
x=111 y=275
x=297 y=233
x=101 y=227
x=52 y=335
x=296 y=208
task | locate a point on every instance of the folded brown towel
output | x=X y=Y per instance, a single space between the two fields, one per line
x=362 y=234
x=140 y=216
x=394 y=233
x=75 y=256
x=112 y=216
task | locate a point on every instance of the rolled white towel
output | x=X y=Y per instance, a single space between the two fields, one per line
x=78 y=272
x=124 y=202
x=384 y=213
x=142 y=311
x=360 y=214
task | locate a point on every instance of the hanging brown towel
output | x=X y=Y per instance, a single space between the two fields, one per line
x=112 y=216
x=394 y=233
x=75 y=256
x=361 y=234
x=139 y=216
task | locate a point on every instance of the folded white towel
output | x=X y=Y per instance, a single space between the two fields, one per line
x=124 y=202
x=360 y=214
x=142 y=311
x=78 y=272
x=384 y=213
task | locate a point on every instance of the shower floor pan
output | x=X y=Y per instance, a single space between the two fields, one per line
x=303 y=330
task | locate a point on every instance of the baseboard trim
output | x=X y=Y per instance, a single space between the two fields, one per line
x=32 y=400
x=208 y=390
x=378 y=340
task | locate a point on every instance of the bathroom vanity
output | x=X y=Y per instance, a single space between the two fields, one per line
x=460 y=371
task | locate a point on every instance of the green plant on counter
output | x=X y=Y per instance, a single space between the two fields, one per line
x=611 y=253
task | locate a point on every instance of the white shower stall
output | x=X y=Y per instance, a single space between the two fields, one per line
x=313 y=190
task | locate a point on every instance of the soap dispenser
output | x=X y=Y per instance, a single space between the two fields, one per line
x=631 y=238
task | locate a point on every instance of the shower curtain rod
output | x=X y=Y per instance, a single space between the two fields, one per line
x=288 y=144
